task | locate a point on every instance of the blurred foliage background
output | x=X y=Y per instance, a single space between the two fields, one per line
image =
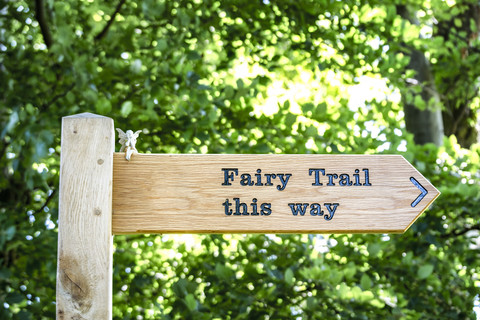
x=304 y=76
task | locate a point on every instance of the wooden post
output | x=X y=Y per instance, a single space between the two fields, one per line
x=85 y=250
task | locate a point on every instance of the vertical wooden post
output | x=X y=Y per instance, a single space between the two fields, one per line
x=85 y=248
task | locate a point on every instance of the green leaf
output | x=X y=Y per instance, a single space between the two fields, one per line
x=152 y=9
x=425 y=271
x=311 y=303
x=473 y=25
x=127 y=107
x=212 y=115
x=12 y=121
x=136 y=66
x=335 y=277
x=321 y=110
x=419 y=102
x=349 y=270
x=162 y=44
x=103 y=106
x=223 y=272
x=229 y=91
x=191 y=302
x=311 y=131
x=10 y=233
x=365 y=282
x=290 y=120
x=180 y=288
x=374 y=249
x=5 y=274
x=344 y=291
x=24 y=315
x=289 y=276
x=308 y=107
x=14 y=297
x=30 y=108
x=457 y=22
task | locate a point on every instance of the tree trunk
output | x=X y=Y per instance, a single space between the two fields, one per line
x=426 y=125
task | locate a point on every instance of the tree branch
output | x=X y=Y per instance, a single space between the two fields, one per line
x=104 y=31
x=463 y=113
x=42 y=22
x=44 y=106
x=47 y=201
x=462 y=232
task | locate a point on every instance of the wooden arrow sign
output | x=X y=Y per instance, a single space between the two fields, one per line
x=225 y=193
x=187 y=193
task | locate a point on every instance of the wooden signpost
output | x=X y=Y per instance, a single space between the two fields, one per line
x=187 y=193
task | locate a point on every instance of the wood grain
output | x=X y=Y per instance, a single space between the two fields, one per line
x=84 y=270
x=183 y=193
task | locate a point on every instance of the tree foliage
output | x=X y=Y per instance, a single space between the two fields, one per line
x=245 y=77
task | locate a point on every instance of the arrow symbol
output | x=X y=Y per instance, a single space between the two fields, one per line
x=421 y=188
